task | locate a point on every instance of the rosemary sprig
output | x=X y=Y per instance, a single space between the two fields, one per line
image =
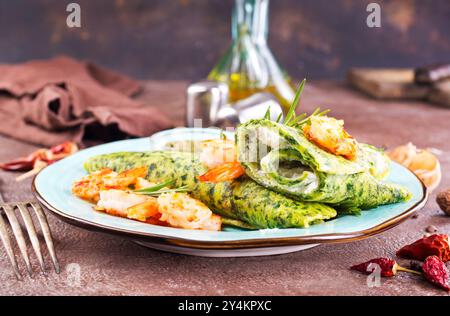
x=279 y=117
x=297 y=119
x=306 y=120
x=159 y=189
x=267 y=114
x=291 y=118
x=291 y=113
x=159 y=192
x=156 y=187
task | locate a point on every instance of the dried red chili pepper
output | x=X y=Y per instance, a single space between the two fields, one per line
x=434 y=245
x=436 y=272
x=21 y=164
x=64 y=148
x=60 y=148
x=39 y=159
x=46 y=155
x=388 y=267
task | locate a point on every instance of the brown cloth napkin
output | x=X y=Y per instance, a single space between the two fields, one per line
x=52 y=101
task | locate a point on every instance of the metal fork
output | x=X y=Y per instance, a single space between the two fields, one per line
x=23 y=207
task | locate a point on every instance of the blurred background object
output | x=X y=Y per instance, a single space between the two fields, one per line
x=207 y=104
x=431 y=83
x=183 y=39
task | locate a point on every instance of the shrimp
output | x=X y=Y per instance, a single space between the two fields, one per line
x=216 y=152
x=174 y=209
x=330 y=135
x=219 y=155
x=226 y=172
x=181 y=210
x=89 y=187
x=129 y=205
x=147 y=211
x=117 y=202
x=125 y=179
x=141 y=183
x=112 y=193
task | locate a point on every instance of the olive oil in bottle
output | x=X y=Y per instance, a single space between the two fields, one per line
x=249 y=66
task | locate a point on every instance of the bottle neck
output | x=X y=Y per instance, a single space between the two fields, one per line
x=251 y=17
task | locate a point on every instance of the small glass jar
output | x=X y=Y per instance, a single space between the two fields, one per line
x=249 y=66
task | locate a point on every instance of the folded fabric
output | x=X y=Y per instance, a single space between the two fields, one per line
x=52 y=101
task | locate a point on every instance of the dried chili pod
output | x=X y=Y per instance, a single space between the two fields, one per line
x=388 y=267
x=22 y=164
x=434 y=245
x=64 y=148
x=39 y=159
x=436 y=272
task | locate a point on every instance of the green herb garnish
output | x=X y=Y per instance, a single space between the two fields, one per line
x=159 y=189
x=306 y=120
x=267 y=115
x=291 y=118
x=279 y=117
x=291 y=113
x=159 y=192
x=297 y=119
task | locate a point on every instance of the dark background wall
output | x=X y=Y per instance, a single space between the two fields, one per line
x=182 y=39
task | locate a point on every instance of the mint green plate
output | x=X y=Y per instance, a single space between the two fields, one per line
x=52 y=187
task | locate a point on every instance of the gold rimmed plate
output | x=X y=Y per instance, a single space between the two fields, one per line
x=52 y=188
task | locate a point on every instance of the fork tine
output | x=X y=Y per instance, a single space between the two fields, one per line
x=32 y=234
x=47 y=234
x=9 y=250
x=20 y=239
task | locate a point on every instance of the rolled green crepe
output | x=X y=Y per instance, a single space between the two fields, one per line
x=241 y=199
x=281 y=158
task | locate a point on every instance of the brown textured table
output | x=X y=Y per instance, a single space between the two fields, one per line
x=111 y=265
